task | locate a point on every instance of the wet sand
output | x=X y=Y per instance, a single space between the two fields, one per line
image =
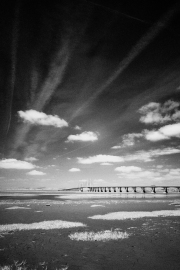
x=153 y=242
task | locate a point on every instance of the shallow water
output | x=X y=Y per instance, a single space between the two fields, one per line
x=153 y=241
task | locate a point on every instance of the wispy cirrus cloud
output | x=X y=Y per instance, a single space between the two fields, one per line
x=12 y=163
x=156 y=113
x=134 y=52
x=85 y=136
x=35 y=172
x=39 y=118
x=100 y=159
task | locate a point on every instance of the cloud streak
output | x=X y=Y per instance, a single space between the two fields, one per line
x=54 y=78
x=14 y=45
x=143 y=42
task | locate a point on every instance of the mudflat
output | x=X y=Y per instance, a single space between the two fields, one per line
x=90 y=231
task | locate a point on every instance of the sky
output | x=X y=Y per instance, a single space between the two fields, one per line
x=90 y=93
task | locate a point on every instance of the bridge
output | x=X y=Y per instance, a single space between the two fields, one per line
x=127 y=189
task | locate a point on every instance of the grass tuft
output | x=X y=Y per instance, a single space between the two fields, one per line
x=44 y=225
x=23 y=266
x=99 y=236
x=134 y=215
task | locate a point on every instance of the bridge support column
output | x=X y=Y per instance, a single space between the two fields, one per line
x=153 y=189
x=134 y=188
x=127 y=189
x=105 y=189
x=114 y=189
x=166 y=189
x=143 y=189
x=101 y=189
x=178 y=188
x=120 y=189
x=109 y=189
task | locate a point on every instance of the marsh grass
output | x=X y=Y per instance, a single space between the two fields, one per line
x=133 y=215
x=44 y=225
x=97 y=205
x=23 y=266
x=17 y=207
x=99 y=236
x=15 y=266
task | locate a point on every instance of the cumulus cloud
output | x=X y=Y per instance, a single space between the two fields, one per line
x=100 y=159
x=77 y=128
x=34 y=172
x=154 y=136
x=106 y=164
x=31 y=159
x=174 y=172
x=84 y=137
x=144 y=176
x=163 y=133
x=16 y=164
x=40 y=118
x=151 y=154
x=156 y=113
x=99 y=180
x=116 y=146
x=128 y=169
x=74 y=170
x=128 y=140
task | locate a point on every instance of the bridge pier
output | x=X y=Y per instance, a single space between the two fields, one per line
x=143 y=189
